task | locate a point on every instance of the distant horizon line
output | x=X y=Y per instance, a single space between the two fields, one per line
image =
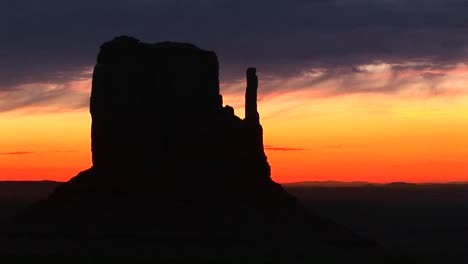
x=312 y=183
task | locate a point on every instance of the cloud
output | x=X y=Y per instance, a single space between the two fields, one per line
x=268 y=147
x=31 y=152
x=54 y=41
x=50 y=97
x=16 y=153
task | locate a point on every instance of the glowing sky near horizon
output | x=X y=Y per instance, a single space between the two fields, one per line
x=349 y=89
x=407 y=126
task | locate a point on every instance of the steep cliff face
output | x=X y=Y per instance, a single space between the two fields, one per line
x=158 y=105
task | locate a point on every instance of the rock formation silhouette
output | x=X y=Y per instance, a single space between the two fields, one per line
x=157 y=109
x=176 y=175
x=159 y=106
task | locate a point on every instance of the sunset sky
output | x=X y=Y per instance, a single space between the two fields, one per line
x=350 y=90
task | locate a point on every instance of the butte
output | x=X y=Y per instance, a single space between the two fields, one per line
x=176 y=175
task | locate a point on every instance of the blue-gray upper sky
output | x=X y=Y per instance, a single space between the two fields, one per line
x=55 y=40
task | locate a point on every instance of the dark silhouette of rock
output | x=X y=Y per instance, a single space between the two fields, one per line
x=176 y=174
x=159 y=106
x=251 y=112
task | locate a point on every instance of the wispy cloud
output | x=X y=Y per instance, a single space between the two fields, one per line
x=55 y=43
x=35 y=152
x=17 y=153
x=268 y=147
x=55 y=97
x=369 y=79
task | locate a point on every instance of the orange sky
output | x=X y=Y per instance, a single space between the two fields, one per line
x=418 y=134
x=372 y=138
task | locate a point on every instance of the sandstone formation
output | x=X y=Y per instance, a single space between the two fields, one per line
x=176 y=174
x=157 y=109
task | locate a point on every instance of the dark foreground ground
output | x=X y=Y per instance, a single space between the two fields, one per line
x=427 y=223
x=424 y=223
